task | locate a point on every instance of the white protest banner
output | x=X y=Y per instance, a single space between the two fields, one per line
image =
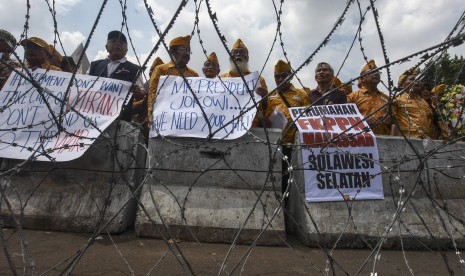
x=340 y=154
x=30 y=123
x=225 y=102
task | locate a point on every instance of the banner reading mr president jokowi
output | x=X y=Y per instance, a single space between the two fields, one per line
x=340 y=154
x=216 y=108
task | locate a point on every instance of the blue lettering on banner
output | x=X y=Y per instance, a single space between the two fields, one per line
x=216 y=122
x=159 y=122
x=184 y=120
x=181 y=87
x=19 y=117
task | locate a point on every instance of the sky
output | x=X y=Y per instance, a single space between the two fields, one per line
x=407 y=27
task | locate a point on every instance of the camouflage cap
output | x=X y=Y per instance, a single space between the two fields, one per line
x=8 y=38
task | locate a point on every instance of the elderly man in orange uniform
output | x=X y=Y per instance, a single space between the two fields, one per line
x=285 y=96
x=412 y=112
x=371 y=102
x=240 y=55
x=211 y=67
x=180 y=53
x=37 y=53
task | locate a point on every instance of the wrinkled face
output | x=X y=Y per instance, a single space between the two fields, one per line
x=372 y=78
x=210 y=69
x=280 y=77
x=116 y=48
x=36 y=55
x=323 y=74
x=181 y=54
x=240 y=54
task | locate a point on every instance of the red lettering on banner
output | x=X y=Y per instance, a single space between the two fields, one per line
x=318 y=140
x=303 y=123
x=328 y=123
x=357 y=123
x=71 y=141
x=342 y=123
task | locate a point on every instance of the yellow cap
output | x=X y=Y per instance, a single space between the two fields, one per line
x=180 y=41
x=37 y=41
x=282 y=67
x=369 y=66
x=439 y=89
x=239 y=44
x=410 y=72
x=213 y=59
x=156 y=62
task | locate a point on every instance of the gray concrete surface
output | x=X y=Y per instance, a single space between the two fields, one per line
x=431 y=216
x=216 y=191
x=80 y=195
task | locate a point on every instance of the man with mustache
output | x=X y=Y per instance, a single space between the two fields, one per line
x=240 y=55
x=180 y=53
x=116 y=66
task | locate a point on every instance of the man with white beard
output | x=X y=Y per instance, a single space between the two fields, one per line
x=240 y=55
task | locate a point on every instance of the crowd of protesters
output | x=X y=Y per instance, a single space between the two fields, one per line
x=416 y=111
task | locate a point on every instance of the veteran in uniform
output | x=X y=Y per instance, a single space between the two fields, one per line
x=211 y=67
x=38 y=54
x=412 y=112
x=372 y=103
x=180 y=53
x=240 y=55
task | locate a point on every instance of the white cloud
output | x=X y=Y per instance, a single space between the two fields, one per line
x=71 y=40
x=407 y=26
x=64 y=6
x=101 y=54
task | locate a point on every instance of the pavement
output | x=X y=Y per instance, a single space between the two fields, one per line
x=63 y=253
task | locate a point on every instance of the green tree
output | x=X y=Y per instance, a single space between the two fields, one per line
x=446 y=70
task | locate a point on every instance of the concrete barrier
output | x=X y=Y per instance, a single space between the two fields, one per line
x=429 y=211
x=215 y=191
x=83 y=195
